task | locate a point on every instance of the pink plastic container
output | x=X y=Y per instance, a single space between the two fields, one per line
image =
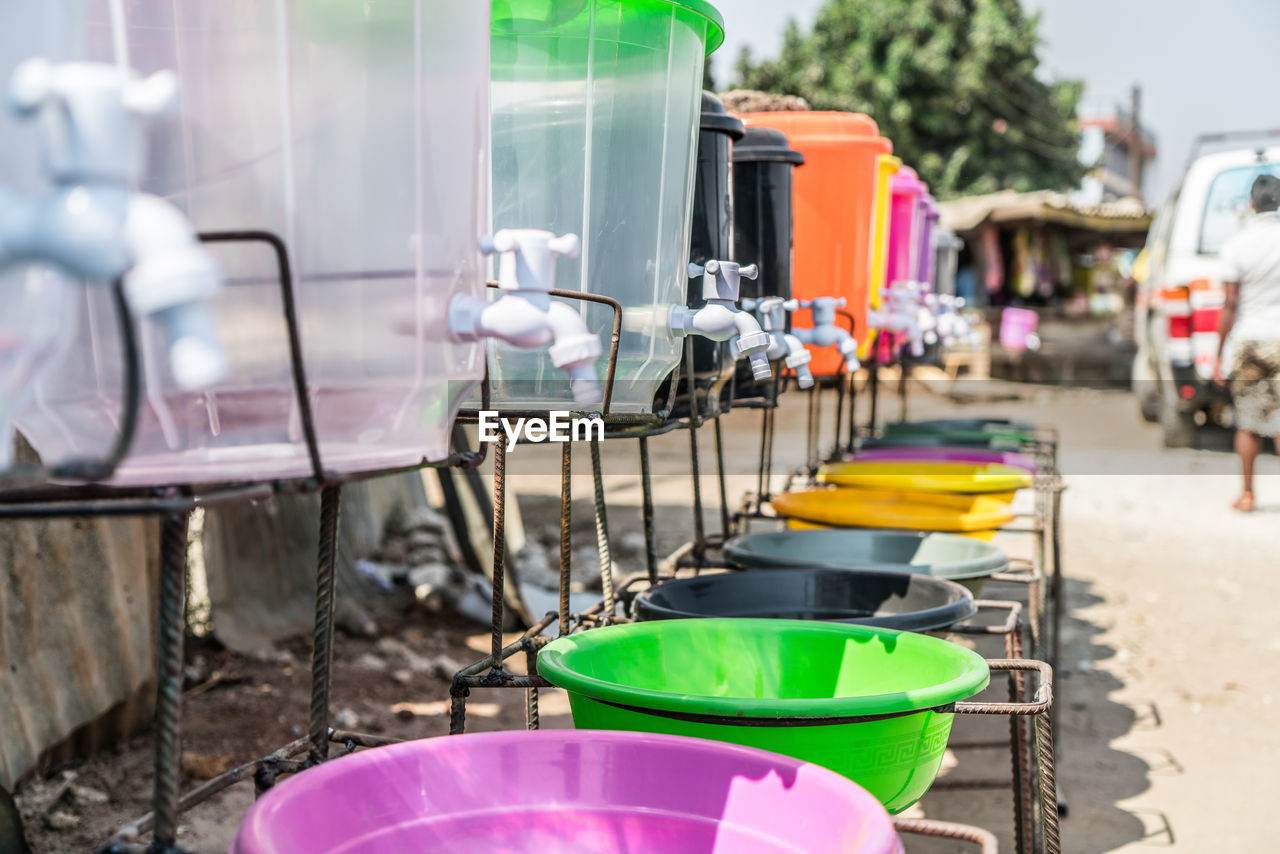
x=904 y=225
x=948 y=455
x=1017 y=325
x=567 y=790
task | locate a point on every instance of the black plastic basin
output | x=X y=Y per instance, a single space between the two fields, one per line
x=895 y=600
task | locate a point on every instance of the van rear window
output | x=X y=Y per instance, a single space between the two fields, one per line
x=1227 y=206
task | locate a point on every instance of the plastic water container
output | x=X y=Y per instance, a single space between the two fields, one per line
x=904 y=226
x=358 y=134
x=594 y=118
x=834 y=212
x=763 y=167
x=947 y=261
x=711 y=239
x=886 y=167
x=1018 y=328
x=928 y=227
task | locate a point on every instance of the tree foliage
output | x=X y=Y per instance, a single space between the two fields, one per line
x=952 y=82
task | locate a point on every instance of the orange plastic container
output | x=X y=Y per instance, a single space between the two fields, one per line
x=835 y=201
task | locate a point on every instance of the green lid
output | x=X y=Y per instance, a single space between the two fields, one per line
x=529 y=16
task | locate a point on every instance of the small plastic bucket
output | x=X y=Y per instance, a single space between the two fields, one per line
x=861 y=701
x=539 y=792
x=1017 y=325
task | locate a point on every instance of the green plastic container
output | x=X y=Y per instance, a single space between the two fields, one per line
x=859 y=700
x=594 y=114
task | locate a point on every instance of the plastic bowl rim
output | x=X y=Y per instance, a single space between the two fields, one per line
x=973 y=674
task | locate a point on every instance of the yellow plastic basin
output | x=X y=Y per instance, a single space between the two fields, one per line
x=915 y=476
x=885 y=508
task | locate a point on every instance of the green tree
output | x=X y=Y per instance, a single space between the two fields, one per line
x=952 y=82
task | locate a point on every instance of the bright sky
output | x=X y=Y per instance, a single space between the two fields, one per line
x=1204 y=65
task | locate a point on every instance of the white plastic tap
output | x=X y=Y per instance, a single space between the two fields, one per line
x=93 y=224
x=825 y=332
x=721 y=318
x=772 y=314
x=901 y=299
x=952 y=324
x=526 y=316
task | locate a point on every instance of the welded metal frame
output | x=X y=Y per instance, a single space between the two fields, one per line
x=1035 y=820
x=30 y=494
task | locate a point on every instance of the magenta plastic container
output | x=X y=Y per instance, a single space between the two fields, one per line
x=904 y=225
x=557 y=791
x=949 y=455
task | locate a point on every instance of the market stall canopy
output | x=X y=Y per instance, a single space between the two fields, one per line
x=966 y=215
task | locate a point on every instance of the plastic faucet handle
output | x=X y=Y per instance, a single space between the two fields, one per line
x=97 y=115
x=528 y=256
x=722 y=280
x=824 y=309
x=820 y=302
x=766 y=305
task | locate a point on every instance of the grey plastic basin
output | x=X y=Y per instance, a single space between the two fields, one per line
x=868 y=597
x=954 y=558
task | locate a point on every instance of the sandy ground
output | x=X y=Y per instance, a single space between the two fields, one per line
x=1171 y=654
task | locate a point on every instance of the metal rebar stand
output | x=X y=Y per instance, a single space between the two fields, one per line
x=171 y=633
x=1045 y=830
x=984 y=839
x=1019 y=743
x=28 y=493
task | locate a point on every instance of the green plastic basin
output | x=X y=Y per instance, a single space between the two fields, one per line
x=861 y=701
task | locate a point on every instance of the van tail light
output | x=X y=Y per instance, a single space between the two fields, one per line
x=1206 y=301
x=1175 y=303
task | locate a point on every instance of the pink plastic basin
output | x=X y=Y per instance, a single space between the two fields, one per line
x=949 y=455
x=567 y=791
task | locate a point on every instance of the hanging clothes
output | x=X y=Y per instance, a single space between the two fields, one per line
x=992 y=263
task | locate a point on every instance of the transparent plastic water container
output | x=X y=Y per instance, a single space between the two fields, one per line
x=595 y=108
x=355 y=132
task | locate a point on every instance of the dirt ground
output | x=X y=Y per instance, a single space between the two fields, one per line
x=1168 y=698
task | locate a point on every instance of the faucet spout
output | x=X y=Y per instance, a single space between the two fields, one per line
x=93 y=224
x=899 y=322
x=825 y=332
x=526 y=316
x=798 y=358
x=721 y=319
x=170 y=280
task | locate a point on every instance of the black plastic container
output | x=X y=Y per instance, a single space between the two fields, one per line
x=763 y=163
x=711 y=238
x=894 y=600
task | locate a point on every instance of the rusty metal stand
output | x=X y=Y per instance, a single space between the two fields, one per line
x=28 y=494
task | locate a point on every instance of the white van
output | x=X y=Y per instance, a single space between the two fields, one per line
x=1180 y=297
